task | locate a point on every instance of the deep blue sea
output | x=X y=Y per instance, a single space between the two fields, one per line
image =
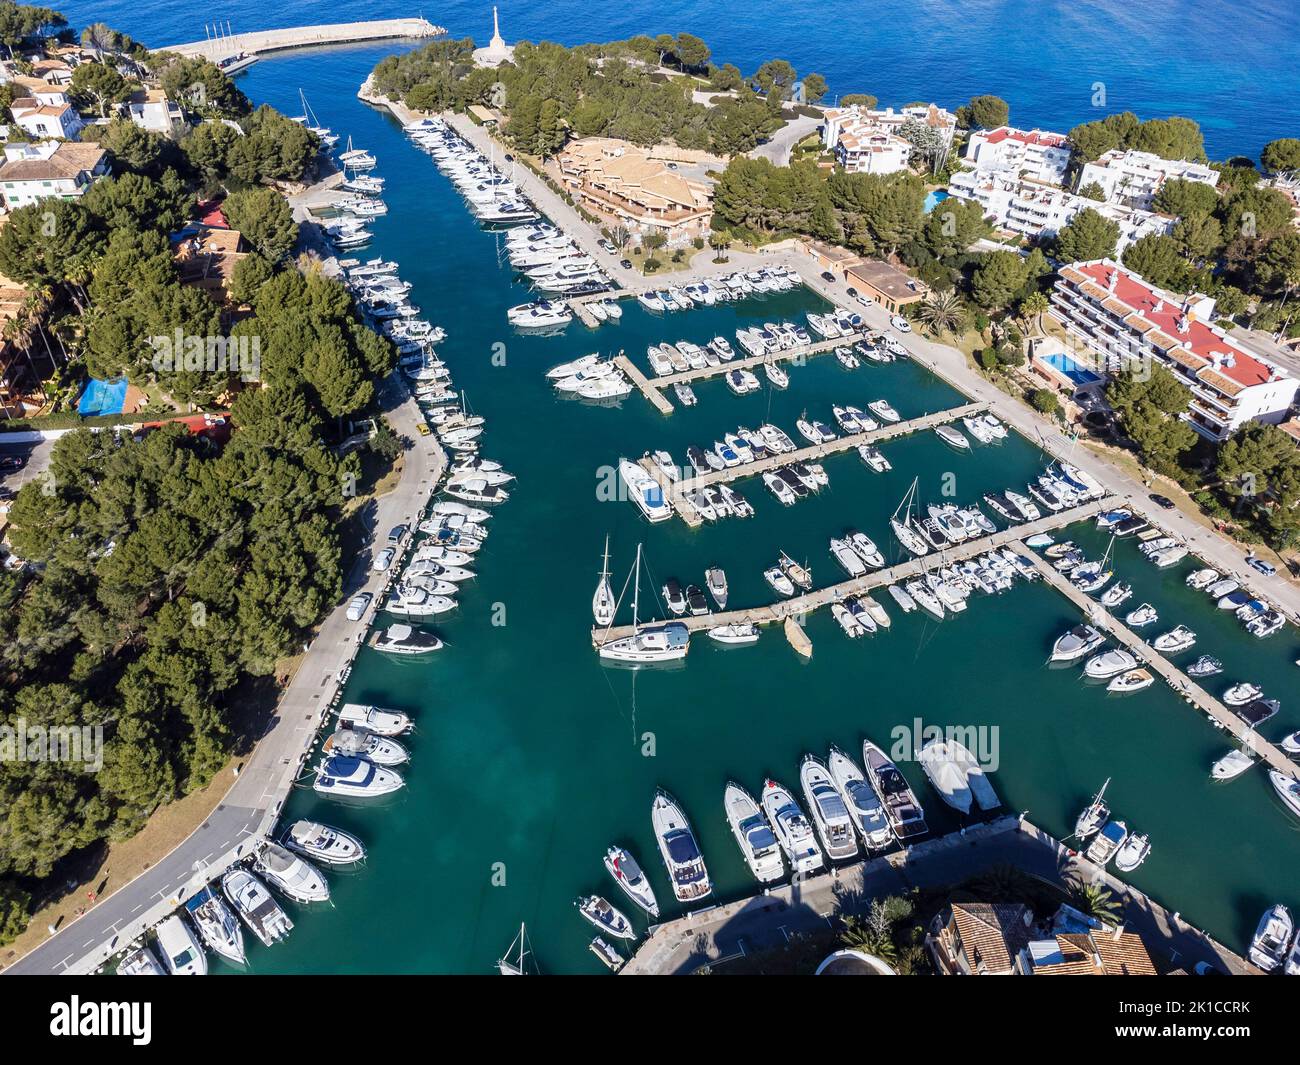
x=1234 y=68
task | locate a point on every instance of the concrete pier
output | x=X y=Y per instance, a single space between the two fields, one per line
x=262 y=41
x=799 y=605
x=1103 y=620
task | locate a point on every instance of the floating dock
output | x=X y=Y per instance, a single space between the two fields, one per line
x=799 y=605
x=1102 y=619
x=262 y=41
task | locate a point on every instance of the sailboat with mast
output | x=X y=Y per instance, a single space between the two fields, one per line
x=900 y=522
x=1094 y=816
x=327 y=136
x=603 y=604
x=517 y=959
x=651 y=643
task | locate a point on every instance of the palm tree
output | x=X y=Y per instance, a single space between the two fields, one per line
x=719 y=242
x=1094 y=900
x=1034 y=305
x=868 y=939
x=942 y=312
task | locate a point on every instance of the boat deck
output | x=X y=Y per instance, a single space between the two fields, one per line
x=799 y=605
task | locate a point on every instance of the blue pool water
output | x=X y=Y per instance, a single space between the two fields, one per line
x=933 y=198
x=102 y=397
x=1077 y=373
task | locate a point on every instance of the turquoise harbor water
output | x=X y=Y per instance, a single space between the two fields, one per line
x=530 y=758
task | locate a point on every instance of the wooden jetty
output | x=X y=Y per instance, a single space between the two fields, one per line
x=643 y=384
x=799 y=605
x=1103 y=620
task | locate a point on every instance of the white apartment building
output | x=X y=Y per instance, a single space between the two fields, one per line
x=1125 y=320
x=867 y=141
x=33 y=172
x=151 y=109
x=1036 y=209
x=1036 y=154
x=1133 y=178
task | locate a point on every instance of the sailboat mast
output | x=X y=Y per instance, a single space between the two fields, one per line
x=636 y=589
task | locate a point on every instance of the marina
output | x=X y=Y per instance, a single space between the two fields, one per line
x=507 y=714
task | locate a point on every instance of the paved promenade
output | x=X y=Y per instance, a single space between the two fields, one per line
x=765 y=921
x=251 y=807
x=261 y=41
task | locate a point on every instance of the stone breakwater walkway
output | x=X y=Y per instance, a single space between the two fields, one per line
x=261 y=41
x=767 y=920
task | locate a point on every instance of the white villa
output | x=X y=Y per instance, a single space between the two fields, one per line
x=33 y=172
x=1134 y=178
x=1036 y=154
x=49 y=115
x=1038 y=209
x=866 y=141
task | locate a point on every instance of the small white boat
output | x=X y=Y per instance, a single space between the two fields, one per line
x=1109 y=664
x=739 y=633
x=629 y=876
x=1075 y=643
x=1133 y=853
x=1272 y=936
x=140 y=962
x=1109 y=840
x=882 y=410
x=1287 y=788
x=753 y=834
x=181 y=953
x=1133 y=680
x=605 y=917
x=1231 y=765
x=1143 y=615
x=330 y=845
x=1202 y=578
x=375 y=719
x=1243 y=693
x=1176 y=639
x=952 y=436
x=1205 y=666
x=293 y=875
x=715 y=579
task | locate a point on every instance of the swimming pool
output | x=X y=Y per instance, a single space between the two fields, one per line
x=933 y=198
x=102 y=397
x=1076 y=372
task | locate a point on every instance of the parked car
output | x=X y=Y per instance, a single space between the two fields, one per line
x=397 y=534
x=607 y=245
x=1260 y=566
x=1164 y=502
x=626 y=264
x=423 y=429
x=827 y=276
x=383 y=560
x=901 y=324
x=9 y=463
x=357 y=608
x=866 y=301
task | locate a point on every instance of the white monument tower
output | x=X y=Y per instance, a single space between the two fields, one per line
x=497 y=51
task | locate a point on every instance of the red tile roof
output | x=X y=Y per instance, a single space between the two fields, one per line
x=1164 y=310
x=1030 y=136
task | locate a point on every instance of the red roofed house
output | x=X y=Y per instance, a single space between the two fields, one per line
x=214 y=428
x=1126 y=321
x=1035 y=154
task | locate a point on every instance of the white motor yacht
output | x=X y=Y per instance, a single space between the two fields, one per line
x=404 y=640
x=1110 y=838
x=605 y=917
x=1243 y=693
x=1144 y=615
x=1109 y=664
x=1077 y=642
x=863 y=804
x=375 y=719
x=256 y=906
x=140 y=962
x=946 y=775
x=181 y=953
x=738 y=633
x=1133 y=680
x=753 y=834
x=629 y=876
x=330 y=845
x=645 y=491
x=905 y=814
x=792 y=828
x=882 y=410
x=293 y=875
x=355 y=778
x=218 y=926
x=1176 y=639
x=1232 y=765
x=681 y=854
x=830 y=814
x=1134 y=852
x=1272 y=936
x=1287 y=788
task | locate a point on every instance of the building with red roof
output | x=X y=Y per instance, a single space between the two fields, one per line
x=1036 y=154
x=1126 y=322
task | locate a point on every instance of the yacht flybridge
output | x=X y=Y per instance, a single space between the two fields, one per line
x=830 y=814
x=680 y=852
x=793 y=831
x=629 y=876
x=753 y=834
